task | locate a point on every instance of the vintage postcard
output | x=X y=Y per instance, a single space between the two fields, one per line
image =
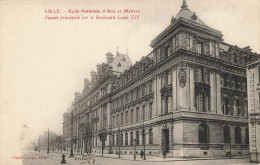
x=129 y=82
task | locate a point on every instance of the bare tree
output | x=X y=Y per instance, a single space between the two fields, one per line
x=87 y=134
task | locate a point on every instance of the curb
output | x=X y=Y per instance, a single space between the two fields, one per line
x=192 y=159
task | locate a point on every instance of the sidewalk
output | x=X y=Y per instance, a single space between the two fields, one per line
x=57 y=155
x=158 y=159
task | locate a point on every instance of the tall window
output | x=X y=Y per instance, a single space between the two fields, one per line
x=126 y=117
x=238 y=107
x=166 y=51
x=137 y=92
x=137 y=114
x=238 y=135
x=132 y=116
x=173 y=44
x=166 y=78
x=143 y=137
x=114 y=121
x=151 y=110
x=225 y=107
x=143 y=90
x=199 y=48
x=143 y=112
x=121 y=139
x=117 y=120
x=166 y=104
x=150 y=86
x=113 y=140
x=235 y=57
x=150 y=136
x=200 y=102
x=126 y=139
x=137 y=138
x=226 y=134
x=203 y=133
x=225 y=80
x=247 y=135
x=117 y=139
x=122 y=118
x=131 y=138
x=236 y=82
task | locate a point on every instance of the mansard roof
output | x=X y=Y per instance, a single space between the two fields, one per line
x=189 y=15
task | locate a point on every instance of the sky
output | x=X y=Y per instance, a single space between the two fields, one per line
x=43 y=62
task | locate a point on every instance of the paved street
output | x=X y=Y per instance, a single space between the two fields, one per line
x=41 y=158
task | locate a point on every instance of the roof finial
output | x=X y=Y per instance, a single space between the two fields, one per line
x=117 y=49
x=184 y=5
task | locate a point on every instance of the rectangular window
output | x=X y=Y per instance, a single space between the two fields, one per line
x=121 y=139
x=143 y=90
x=131 y=138
x=132 y=116
x=143 y=112
x=122 y=118
x=150 y=136
x=113 y=140
x=137 y=138
x=200 y=102
x=151 y=110
x=113 y=121
x=150 y=86
x=126 y=117
x=117 y=120
x=187 y=43
x=126 y=139
x=137 y=114
x=199 y=48
x=173 y=44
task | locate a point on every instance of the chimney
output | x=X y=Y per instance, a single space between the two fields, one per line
x=99 y=67
x=109 y=57
x=86 y=84
x=93 y=76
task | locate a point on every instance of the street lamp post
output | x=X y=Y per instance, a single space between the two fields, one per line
x=71 y=142
x=230 y=146
x=119 y=140
x=144 y=134
x=48 y=150
x=135 y=149
x=39 y=144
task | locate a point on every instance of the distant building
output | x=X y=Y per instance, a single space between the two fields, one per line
x=187 y=98
x=253 y=83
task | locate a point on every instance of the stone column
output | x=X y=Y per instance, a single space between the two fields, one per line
x=212 y=92
x=192 y=89
x=129 y=134
x=174 y=89
x=158 y=108
x=123 y=137
x=182 y=76
x=155 y=96
x=218 y=88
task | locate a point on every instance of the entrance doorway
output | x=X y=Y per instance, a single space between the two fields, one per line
x=165 y=140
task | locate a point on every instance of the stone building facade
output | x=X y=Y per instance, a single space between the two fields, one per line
x=253 y=82
x=188 y=97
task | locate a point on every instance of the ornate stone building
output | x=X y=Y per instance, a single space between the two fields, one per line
x=188 y=97
x=253 y=82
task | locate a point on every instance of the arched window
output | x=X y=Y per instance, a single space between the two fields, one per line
x=238 y=135
x=226 y=132
x=203 y=133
